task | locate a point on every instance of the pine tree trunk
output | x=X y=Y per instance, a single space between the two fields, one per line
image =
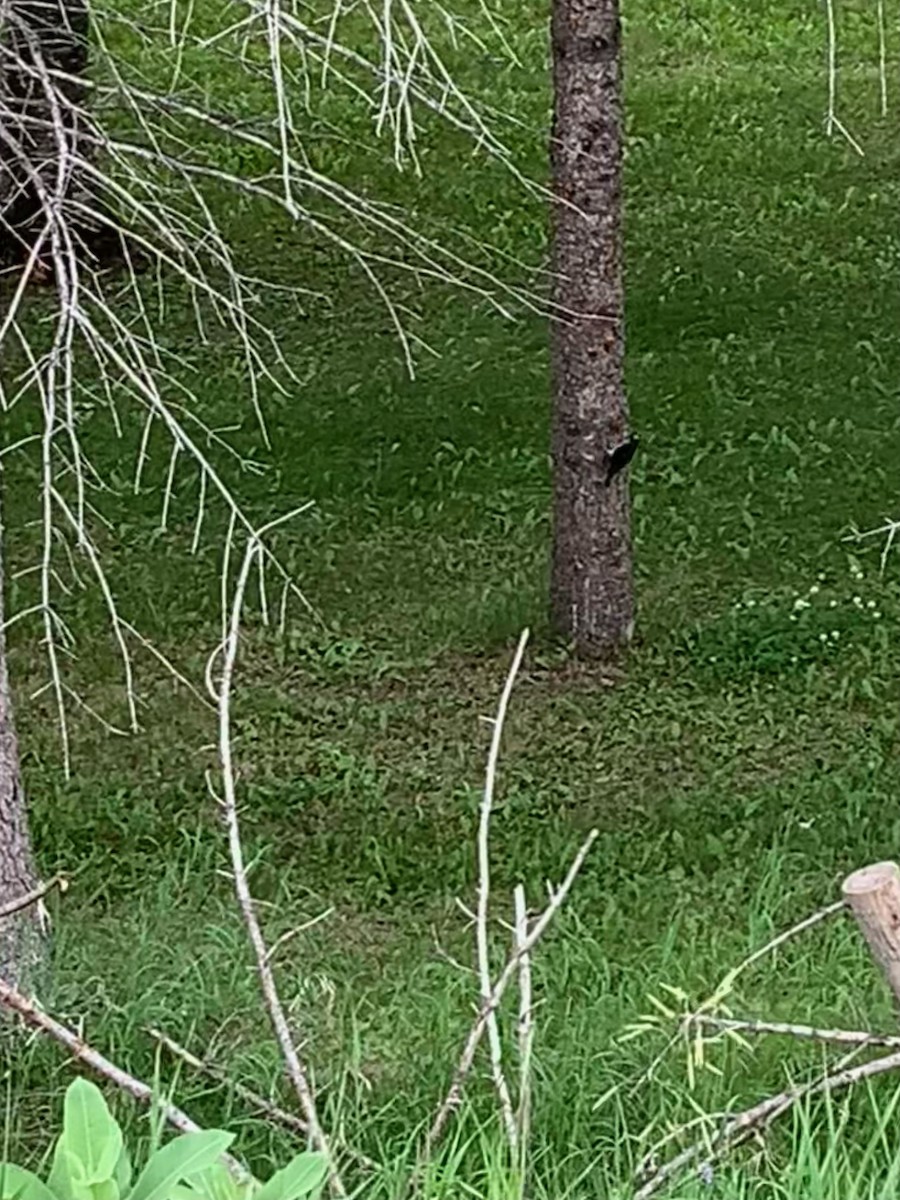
x=21 y=935
x=592 y=593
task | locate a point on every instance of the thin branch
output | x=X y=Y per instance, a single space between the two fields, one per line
x=453 y=1098
x=738 y=1127
x=228 y=805
x=525 y=1024
x=726 y=984
x=279 y=1115
x=290 y=934
x=882 y=56
x=484 y=891
x=34 y=897
x=838 y=1037
x=832 y=67
x=272 y=1112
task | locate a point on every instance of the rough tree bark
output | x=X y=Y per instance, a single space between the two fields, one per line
x=592 y=594
x=21 y=935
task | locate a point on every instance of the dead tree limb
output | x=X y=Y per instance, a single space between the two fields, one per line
x=740 y=1126
x=296 y=1071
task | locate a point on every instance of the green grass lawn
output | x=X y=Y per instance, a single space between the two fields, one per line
x=737 y=766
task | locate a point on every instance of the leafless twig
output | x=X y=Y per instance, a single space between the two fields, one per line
x=832 y=122
x=831 y=33
x=726 y=984
x=272 y=1112
x=484 y=891
x=229 y=809
x=882 y=56
x=838 y=1037
x=518 y=962
x=279 y=1115
x=713 y=1003
x=738 y=1127
x=454 y=1094
x=289 y=934
x=525 y=1025
x=734 y=1129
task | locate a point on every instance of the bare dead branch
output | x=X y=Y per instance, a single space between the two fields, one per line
x=452 y=1100
x=525 y=1024
x=272 y=1112
x=739 y=1126
x=837 y=1037
x=735 y=1128
x=726 y=984
x=290 y=934
x=229 y=810
x=484 y=892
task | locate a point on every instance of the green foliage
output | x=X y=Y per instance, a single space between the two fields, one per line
x=90 y=1162
x=778 y=635
x=18 y=1184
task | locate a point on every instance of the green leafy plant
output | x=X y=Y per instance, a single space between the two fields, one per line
x=90 y=1162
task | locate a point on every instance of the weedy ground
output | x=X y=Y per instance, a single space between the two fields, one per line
x=740 y=761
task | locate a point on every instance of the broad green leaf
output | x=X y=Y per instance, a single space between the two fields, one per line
x=67 y=1179
x=302 y=1176
x=106 y=1189
x=215 y=1183
x=179 y=1160
x=91 y=1133
x=18 y=1184
x=122 y=1173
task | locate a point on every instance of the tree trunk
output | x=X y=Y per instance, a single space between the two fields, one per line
x=44 y=46
x=592 y=593
x=21 y=935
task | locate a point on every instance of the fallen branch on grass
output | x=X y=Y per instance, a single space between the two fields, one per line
x=872 y=894
x=743 y=1125
x=16 y=1002
x=838 y=1037
x=228 y=805
x=279 y=1116
x=719 y=994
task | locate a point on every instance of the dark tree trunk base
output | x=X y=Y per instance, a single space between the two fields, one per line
x=102 y=248
x=50 y=36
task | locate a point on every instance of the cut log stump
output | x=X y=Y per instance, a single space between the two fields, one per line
x=873 y=896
